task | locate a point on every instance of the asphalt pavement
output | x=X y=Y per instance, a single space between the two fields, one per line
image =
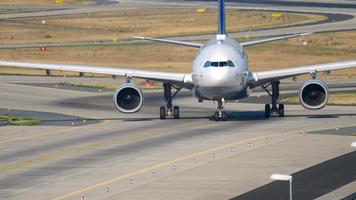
x=139 y=156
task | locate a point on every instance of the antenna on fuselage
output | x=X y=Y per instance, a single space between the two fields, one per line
x=221 y=36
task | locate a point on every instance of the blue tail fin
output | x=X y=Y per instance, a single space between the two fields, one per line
x=221 y=20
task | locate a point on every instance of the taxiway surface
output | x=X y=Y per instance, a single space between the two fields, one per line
x=139 y=156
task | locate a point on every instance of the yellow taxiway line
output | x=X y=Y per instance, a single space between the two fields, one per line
x=163 y=164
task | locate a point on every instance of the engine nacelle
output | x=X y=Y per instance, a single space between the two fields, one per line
x=128 y=98
x=314 y=94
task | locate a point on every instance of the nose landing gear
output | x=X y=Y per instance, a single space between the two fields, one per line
x=220 y=115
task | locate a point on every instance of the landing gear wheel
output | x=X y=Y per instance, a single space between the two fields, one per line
x=176 y=112
x=168 y=110
x=281 y=110
x=220 y=114
x=217 y=116
x=162 y=112
x=274 y=109
x=223 y=116
x=267 y=111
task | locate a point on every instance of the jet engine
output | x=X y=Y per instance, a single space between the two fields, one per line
x=314 y=94
x=128 y=98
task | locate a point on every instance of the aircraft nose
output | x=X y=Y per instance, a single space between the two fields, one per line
x=217 y=76
x=220 y=74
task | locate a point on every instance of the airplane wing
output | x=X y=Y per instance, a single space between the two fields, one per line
x=176 y=78
x=256 y=42
x=189 y=44
x=259 y=78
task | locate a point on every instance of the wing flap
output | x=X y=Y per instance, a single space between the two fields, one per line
x=189 y=44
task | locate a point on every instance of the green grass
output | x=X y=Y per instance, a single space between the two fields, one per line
x=18 y=121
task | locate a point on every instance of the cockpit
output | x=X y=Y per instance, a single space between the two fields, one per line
x=228 y=63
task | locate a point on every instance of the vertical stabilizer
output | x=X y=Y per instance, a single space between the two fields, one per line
x=221 y=20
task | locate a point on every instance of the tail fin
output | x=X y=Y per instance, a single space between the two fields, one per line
x=221 y=20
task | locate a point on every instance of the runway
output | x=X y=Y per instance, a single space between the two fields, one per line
x=85 y=149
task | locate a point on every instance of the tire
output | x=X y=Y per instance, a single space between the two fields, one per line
x=216 y=116
x=267 y=111
x=281 y=110
x=224 y=116
x=162 y=112
x=176 y=112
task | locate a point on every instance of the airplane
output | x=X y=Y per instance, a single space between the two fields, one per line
x=219 y=73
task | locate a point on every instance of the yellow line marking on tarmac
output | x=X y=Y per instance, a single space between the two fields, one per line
x=163 y=164
x=89 y=147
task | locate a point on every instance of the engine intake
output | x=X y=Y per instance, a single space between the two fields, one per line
x=314 y=94
x=128 y=98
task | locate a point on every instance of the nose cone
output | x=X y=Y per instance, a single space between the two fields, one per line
x=218 y=76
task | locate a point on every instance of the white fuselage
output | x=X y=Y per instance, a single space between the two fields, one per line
x=220 y=71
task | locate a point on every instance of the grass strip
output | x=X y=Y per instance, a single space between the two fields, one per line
x=19 y=121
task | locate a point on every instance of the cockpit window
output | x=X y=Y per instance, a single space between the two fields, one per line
x=228 y=63
x=207 y=64
x=222 y=64
x=214 y=64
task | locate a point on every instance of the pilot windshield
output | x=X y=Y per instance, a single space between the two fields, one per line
x=228 y=63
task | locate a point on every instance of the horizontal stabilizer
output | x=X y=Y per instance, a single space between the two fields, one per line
x=189 y=44
x=256 y=42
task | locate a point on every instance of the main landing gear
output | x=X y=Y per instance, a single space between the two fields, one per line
x=274 y=109
x=169 y=109
x=220 y=115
